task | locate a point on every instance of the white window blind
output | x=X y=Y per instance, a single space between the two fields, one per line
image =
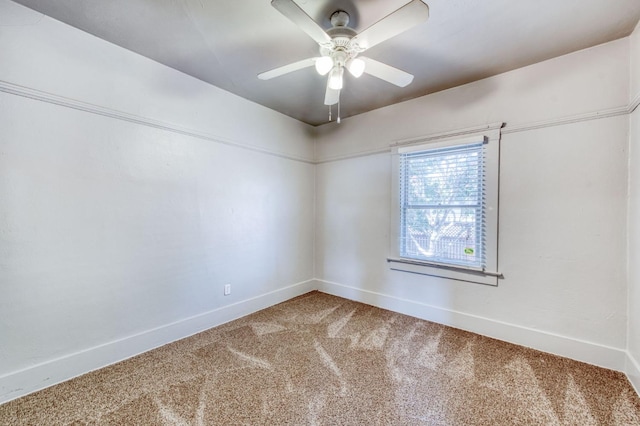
x=442 y=203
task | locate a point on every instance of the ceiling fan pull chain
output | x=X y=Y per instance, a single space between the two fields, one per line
x=329 y=112
x=338 y=120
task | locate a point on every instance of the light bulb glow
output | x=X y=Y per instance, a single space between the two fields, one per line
x=324 y=65
x=356 y=67
x=335 y=78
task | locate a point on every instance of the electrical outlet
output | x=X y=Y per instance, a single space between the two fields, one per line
x=227 y=289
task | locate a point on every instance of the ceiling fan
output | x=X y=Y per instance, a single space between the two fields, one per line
x=340 y=45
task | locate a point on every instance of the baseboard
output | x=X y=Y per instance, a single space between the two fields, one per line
x=633 y=372
x=32 y=379
x=37 y=377
x=591 y=353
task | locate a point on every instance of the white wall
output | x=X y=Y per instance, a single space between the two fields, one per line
x=131 y=193
x=633 y=367
x=562 y=206
x=634 y=42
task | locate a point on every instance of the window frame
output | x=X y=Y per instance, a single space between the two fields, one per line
x=489 y=275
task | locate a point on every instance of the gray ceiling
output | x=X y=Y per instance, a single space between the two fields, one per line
x=228 y=42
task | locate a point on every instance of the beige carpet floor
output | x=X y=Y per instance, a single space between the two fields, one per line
x=323 y=360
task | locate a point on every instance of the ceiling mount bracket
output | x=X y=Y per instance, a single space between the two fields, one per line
x=340 y=18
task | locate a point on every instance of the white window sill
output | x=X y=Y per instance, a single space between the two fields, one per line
x=444 y=271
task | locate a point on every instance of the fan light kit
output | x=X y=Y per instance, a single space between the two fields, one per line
x=340 y=46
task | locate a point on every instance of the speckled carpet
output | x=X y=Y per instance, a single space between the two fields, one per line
x=323 y=360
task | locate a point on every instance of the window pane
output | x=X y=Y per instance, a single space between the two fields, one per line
x=447 y=235
x=442 y=205
x=449 y=179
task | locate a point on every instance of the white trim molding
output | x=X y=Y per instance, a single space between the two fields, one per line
x=632 y=370
x=49 y=373
x=354 y=155
x=491 y=127
x=591 y=353
x=506 y=129
x=634 y=103
x=42 y=96
x=614 y=112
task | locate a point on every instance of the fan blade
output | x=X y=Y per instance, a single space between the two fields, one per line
x=299 y=17
x=331 y=96
x=277 y=72
x=411 y=14
x=386 y=72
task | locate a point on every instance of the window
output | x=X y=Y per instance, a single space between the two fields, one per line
x=445 y=207
x=441 y=204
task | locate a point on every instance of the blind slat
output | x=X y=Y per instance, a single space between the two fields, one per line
x=442 y=205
